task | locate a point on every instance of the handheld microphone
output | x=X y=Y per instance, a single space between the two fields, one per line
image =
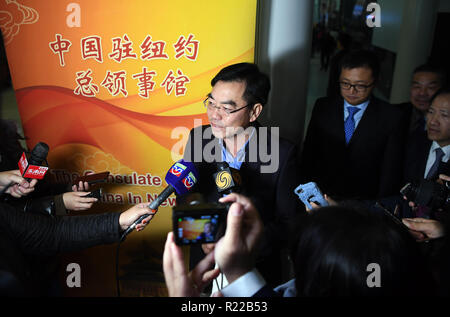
x=227 y=179
x=31 y=169
x=180 y=178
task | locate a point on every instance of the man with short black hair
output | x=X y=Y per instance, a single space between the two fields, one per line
x=354 y=143
x=233 y=135
x=427 y=79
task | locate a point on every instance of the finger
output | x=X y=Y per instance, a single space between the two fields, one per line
x=217 y=294
x=234 y=224
x=167 y=260
x=201 y=268
x=209 y=276
x=84 y=200
x=229 y=198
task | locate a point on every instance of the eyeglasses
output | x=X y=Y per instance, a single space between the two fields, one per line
x=358 y=87
x=211 y=105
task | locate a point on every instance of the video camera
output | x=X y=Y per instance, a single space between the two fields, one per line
x=199 y=223
x=428 y=193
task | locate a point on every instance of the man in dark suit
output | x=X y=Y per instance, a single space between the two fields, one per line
x=427 y=152
x=354 y=144
x=267 y=164
x=426 y=81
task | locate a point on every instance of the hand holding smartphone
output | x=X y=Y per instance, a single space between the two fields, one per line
x=310 y=192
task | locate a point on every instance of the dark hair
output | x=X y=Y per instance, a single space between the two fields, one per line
x=257 y=83
x=361 y=58
x=335 y=245
x=435 y=69
x=441 y=91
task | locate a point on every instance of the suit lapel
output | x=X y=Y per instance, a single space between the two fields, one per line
x=337 y=123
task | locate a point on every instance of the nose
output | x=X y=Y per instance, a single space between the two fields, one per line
x=214 y=113
x=432 y=119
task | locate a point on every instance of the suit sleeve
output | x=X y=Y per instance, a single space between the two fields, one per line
x=392 y=165
x=37 y=234
x=288 y=206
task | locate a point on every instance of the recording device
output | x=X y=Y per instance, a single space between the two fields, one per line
x=227 y=179
x=92 y=178
x=31 y=168
x=180 y=178
x=95 y=194
x=199 y=223
x=427 y=193
x=391 y=216
x=310 y=192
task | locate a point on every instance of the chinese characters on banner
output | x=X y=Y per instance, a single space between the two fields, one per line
x=122 y=48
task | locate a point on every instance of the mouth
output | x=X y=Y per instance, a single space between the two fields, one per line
x=433 y=131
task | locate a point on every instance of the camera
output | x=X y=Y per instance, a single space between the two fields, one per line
x=199 y=223
x=427 y=193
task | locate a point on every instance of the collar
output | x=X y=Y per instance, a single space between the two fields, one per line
x=445 y=149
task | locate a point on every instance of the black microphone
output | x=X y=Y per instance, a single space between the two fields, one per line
x=37 y=157
x=31 y=169
x=227 y=179
x=180 y=178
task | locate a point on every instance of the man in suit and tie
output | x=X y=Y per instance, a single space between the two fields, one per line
x=428 y=151
x=354 y=143
x=233 y=135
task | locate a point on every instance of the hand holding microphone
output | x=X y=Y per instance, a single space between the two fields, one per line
x=180 y=178
x=30 y=170
x=20 y=188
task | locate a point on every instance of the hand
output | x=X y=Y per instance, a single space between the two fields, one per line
x=20 y=188
x=76 y=201
x=128 y=217
x=330 y=201
x=179 y=282
x=235 y=252
x=424 y=229
x=81 y=187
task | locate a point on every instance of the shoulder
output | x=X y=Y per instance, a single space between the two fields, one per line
x=386 y=108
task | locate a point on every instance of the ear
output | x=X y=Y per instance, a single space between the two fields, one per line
x=255 y=111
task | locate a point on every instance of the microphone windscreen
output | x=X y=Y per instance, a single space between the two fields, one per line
x=39 y=153
x=182 y=176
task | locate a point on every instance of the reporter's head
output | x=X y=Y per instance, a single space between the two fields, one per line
x=338 y=248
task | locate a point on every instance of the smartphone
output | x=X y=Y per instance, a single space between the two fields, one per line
x=96 y=194
x=391 y=215
x=310 y=192
x=92 y=178
x=199 y=224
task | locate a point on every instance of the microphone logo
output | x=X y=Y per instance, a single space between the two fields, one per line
x=223 y=180
x=189 y=181
x=177 y=169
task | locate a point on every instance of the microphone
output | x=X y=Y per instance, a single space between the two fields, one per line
x=31 y=169
x=180 y=178
x=227 y=179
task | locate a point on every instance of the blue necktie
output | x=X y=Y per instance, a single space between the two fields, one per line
x=432 y=173
x=349 y=124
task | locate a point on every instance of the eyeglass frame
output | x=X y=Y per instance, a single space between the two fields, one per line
x=228 y=112
x=363 y=87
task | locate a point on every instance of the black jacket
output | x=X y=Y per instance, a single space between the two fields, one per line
x=370 y=166
x=24 y=234
x=272 y=193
